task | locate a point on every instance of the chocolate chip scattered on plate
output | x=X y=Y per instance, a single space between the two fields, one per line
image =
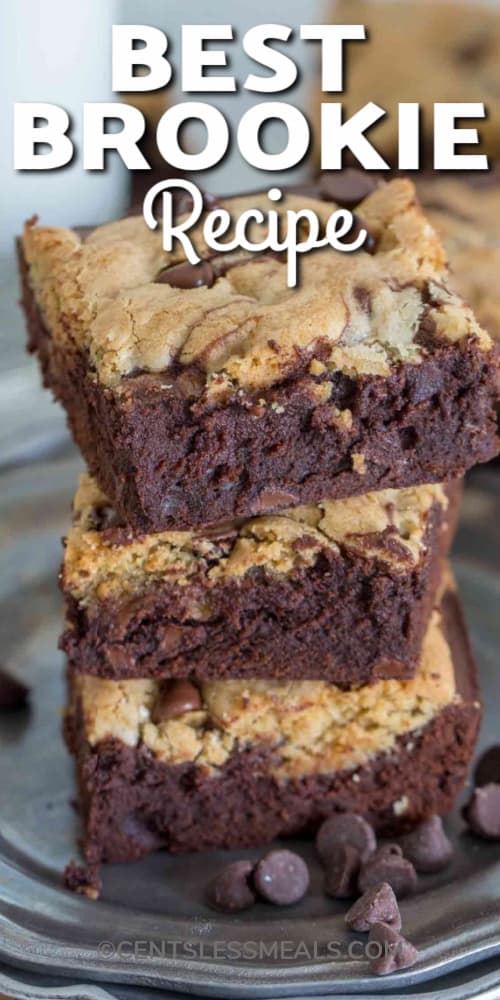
x=341 y=872
x=230 y=891
x=393 y=953
x=281 y=877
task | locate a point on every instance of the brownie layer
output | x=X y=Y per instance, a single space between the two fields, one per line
x=392 y=386
x=341 y=592
x=133 y=801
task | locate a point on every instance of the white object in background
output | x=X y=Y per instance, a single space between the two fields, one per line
x=59 y=52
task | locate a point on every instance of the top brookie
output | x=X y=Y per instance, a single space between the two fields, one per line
x=200 y=394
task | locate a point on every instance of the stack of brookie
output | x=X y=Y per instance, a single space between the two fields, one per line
x=261 y=630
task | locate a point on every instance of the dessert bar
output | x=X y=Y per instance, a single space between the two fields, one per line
x=339 y=591
x=236 y=763
x=198 y=394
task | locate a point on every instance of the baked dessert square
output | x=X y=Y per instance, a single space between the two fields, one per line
x=236 y=763
x=340 y=591
x=241 y=396
x=424 y=51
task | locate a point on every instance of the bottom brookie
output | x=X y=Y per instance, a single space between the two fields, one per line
x=169 y=764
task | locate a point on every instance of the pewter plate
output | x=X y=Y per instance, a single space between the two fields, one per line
x=151 y=930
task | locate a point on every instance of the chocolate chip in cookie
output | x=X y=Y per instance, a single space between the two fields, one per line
x=83 y=879
x=187 y=275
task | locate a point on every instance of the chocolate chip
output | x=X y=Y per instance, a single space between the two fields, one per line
x=370 y=244
x=376 y=905
x=230 y=891
x=347 y=187
x=83 y=879
x=345 y=828
x=393 y=951
x=388 y=865
x=176 y=698
x=482 y=812
x=145 y=839
x=475 y=50
x=281 y=877
x=171 y=639
x=270 y=500
x=117 y=656
x=191 y=383
x=184 y=203
x=13 y=693
x=104 y=517
x=428 y=847
x=220 y=530
x=223 y=263
x=187 y=275
x=341 y=872
x=487 y=770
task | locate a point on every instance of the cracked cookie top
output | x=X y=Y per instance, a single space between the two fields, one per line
x=102 y=559
x=362 y=312
x=311 y=726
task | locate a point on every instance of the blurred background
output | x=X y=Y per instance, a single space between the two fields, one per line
x=61 y=52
